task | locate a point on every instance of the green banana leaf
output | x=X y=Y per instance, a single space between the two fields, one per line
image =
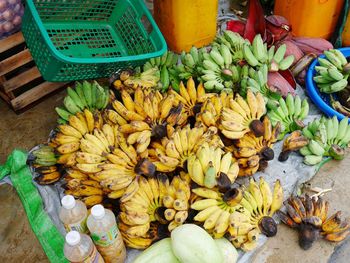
x=48 y=235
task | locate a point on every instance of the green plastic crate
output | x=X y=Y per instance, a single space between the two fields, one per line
x=84 y=39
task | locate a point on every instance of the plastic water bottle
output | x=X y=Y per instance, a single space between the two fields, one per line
x=105 y=234
x=79 y=248
x=73 y=214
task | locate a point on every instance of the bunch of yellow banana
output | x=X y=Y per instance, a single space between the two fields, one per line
x=215 y=208
x=67 y=140
x=172 y=152
x=212 y=107
x=75 y=182
x=310 y=217
x=176 y=201
x=243 y=116
x=146 y=116
x=88 y=190
x=294 y=142
x=48 y=174
x=259 y=204
x=253 y=152
x=191 y=99
x=105 y=154
x=212 y=167
x=152 y=200
x=130 y=81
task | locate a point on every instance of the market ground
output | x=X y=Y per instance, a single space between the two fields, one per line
x=19 y=244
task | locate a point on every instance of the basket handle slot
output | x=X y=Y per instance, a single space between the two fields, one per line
x=147 y=24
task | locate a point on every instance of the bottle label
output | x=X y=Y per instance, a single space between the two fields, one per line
x=106 y=238
x=94 y=257
x=79 y=226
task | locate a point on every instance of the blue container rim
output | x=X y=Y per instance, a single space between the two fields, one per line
x=313 y=90
x=58 y=55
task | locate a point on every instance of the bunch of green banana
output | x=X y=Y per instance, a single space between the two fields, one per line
x=257 y=81
x=169 y=59
x=333 y=72
x=259 y=203
x=327 y=137
x=86 y=95
x=45 y=156
x=234 y=42
x=219 y=72
x=212 y=167
x=257 y=54
x=290 y=112
x=45 y=164
x=163 y=63
x=190 y=66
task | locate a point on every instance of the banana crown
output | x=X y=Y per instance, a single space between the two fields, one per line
x=310 y=217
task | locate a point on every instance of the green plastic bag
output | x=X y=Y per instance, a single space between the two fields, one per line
x=49 y=237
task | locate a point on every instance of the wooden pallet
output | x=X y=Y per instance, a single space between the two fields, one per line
x=21 y=84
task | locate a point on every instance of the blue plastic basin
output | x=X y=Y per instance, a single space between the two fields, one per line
x=322 y=100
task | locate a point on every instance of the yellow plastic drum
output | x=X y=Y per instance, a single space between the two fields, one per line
x=346 y=33
x=310 y=18
x=186 y=23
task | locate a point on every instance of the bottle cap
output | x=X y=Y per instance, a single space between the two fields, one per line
x=98 y=211
x=73 y=238
x=68 y=202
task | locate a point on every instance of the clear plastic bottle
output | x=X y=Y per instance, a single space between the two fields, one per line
x=105 y=234
x=73 y=214
x=79 y=248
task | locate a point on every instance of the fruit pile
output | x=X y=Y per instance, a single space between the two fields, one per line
x=166 y=146
x=331 y=77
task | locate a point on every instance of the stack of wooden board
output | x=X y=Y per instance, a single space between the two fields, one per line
x=21 y=84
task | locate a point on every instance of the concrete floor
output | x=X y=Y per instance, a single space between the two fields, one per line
x=19 y=244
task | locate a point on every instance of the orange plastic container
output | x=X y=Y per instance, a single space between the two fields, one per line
x=310 y=18
x=346 y=33
x=186 y=23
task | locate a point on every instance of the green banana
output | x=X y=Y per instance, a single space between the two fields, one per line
x=279 y=55
x=70 y=105
x=340 y=56
x=164 y=78
x=325 y=63
x=312 y=159
x=80 y=92
x=75 y=97
x=333 y=59
x=286 y=62
x=249 y=56
x=87 y=93
x=259 y=49
x=335 y=74
x=93 y=95
x=63 y=113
